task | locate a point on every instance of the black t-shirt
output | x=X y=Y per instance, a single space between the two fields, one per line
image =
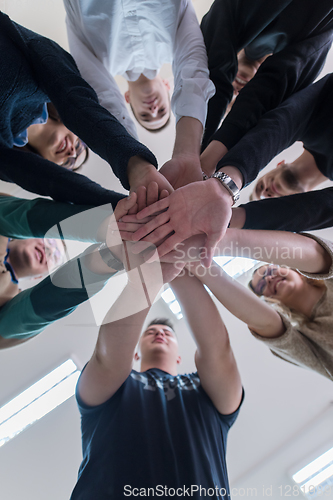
x=158 y=431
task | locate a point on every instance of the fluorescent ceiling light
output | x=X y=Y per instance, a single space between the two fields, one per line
x=168 y=295
x=234 y=266
x=314 y=466
x=38 y=400
x=315 y=475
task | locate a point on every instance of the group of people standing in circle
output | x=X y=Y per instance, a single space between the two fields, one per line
x=243 y=92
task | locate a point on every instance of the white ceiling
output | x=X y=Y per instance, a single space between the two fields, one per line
x=282 y=402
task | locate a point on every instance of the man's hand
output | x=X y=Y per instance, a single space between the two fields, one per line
x=142 y=173
x=187 y=251
x=198 y=208
x=182 y=170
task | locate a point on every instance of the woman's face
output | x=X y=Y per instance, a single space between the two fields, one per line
x=54 y=142
x=277 y=282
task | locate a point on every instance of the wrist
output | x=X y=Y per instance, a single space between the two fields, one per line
x=188 y=137
x=213 y=153
x=234 y=174
x=216 y=189
x=137 y=167
x=227 y=185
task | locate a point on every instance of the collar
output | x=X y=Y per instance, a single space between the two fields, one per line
x=9 y=268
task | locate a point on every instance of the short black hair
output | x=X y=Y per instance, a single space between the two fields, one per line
x=161 y=321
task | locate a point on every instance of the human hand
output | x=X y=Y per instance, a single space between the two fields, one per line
x=144 y=197
x=142 y=173
x=187 y=251
x=182 y=170
x=198 y=208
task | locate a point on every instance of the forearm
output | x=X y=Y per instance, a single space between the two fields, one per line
x=279 y=247
x=238 y=218
x=79 y=109
x=312 y=210
x=96 y=74
x=275 y=131
x=188 y=137
x=281 y=75
x=206 y=325
x=240 y=301
x=37 y=175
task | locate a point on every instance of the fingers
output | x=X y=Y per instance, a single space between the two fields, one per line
x=164 y=194
x=151 y=226
x=125 y=235
x=142 y=197
x=166 y=247
x=207 y=253
x=124 y=205
x=133 y=218
x=152 y=193
x=133 y=210
x=130 y=227
x=156 y=207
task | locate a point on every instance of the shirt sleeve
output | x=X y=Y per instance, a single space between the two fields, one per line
x=297 y=212
x=228 y=27
x=78 y=107
x=328 y=246
x=276 y=130
x=95 y=73
x=296 y=348
x=32 y=310
x=280 y=75
x=43 y=177
x=21 y=218
x=193 y=88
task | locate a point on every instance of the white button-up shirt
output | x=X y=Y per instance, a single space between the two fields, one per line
x=133 y=37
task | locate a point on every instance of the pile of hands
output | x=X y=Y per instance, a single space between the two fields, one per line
x=172 y=215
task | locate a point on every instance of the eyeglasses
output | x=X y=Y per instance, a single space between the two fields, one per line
x=53 y=252
x=262 y=283
x=74 y=162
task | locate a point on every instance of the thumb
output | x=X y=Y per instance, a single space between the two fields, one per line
x=207 y=253
x=124 y=205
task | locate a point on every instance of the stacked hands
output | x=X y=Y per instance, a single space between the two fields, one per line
x=172 y=207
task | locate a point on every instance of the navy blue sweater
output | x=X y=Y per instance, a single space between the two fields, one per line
x=306 y=116
x=34 y=69
x=297 y=32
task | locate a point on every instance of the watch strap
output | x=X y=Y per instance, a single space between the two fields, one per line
x=109 y=258
x=229 y=184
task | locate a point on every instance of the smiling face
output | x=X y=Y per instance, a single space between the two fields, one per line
x=281 y=181
x=277 y=282
x=247 y=68
x=54 y=142
x=150 y=102
x=35 y=256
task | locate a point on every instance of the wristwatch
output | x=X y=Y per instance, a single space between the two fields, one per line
x=109 y=258
x=229 y=184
